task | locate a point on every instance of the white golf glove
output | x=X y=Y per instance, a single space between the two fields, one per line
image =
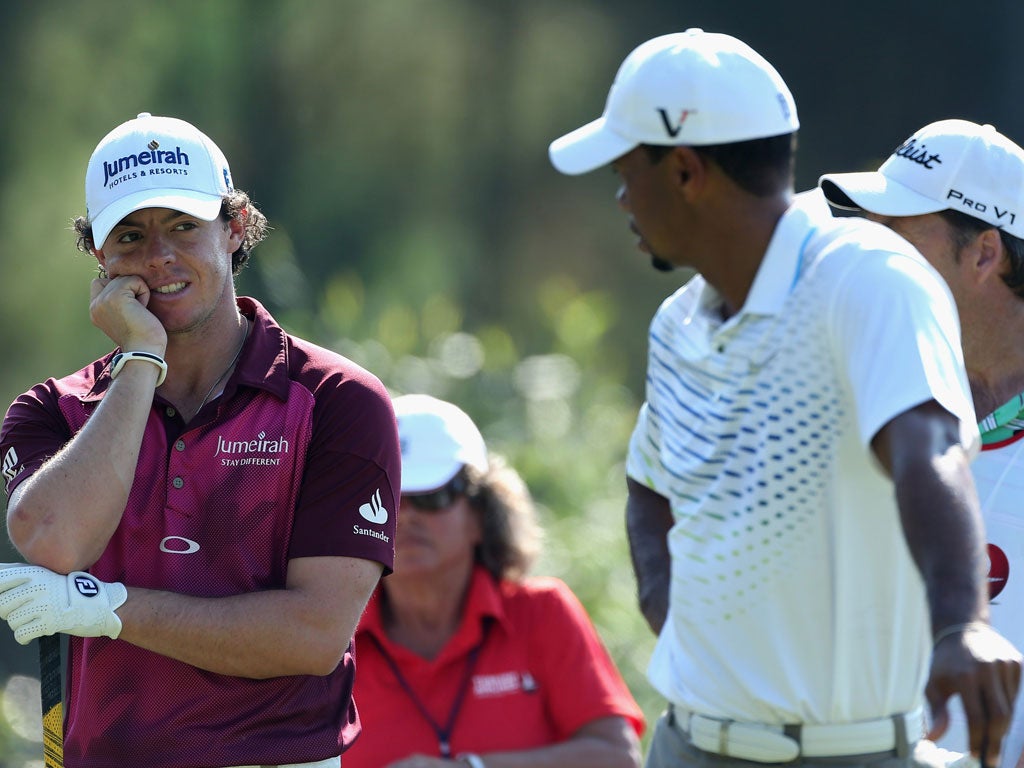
x=35 y=601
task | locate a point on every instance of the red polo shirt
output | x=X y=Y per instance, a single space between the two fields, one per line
x=539 y=674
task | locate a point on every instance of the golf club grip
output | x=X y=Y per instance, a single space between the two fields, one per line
x=51 y=695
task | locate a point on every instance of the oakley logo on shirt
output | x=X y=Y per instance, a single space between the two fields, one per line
x=178 y=545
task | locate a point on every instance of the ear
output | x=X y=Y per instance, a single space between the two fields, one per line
x=236 y=231
x=688 y=170
x=987 y=254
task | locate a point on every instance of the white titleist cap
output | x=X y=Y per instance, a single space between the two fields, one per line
x=438 y=439
x=950 y=164
x=153 y=162
x=694 y=88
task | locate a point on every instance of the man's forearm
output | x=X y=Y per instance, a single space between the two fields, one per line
x=648 y=521
x=939 y=511
x=302 y=629
x=945 y=535
x=63 y=516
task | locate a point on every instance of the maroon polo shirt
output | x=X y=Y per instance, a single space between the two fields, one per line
x=298 y=458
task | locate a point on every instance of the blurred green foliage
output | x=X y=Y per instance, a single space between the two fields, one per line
x=399 y=149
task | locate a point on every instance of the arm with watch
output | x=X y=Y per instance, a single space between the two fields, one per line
x=46 y=520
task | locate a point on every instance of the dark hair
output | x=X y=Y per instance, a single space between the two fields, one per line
x=761 y=167
x=236 y=204
x=511 y=535
x=966 y=227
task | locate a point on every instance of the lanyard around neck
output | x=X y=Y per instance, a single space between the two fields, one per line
x=443 y=733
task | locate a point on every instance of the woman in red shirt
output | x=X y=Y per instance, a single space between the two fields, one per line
x=462 y=659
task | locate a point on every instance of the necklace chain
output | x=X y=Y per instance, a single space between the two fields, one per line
x=231 y=365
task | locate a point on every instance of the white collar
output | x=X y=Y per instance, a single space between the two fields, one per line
x=783 y=260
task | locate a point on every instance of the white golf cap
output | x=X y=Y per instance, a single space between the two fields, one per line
x=438 y=439
x=153 y=162
x=694 y=88
x=950 y=164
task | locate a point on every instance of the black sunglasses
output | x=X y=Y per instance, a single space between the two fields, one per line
x=439 y=500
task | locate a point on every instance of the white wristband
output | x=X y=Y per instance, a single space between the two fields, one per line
x=958 y=629
x=123 y=357
x=472 y=760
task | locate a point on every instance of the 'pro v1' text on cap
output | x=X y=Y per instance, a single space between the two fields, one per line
x=153 y=162
x=695 y=88
x=949 y=164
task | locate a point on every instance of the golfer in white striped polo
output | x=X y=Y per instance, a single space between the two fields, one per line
x=801 y=514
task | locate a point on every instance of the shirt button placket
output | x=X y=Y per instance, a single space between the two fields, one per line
x=177 y=471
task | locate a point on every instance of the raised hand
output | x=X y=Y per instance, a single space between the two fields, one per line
x=118 y=307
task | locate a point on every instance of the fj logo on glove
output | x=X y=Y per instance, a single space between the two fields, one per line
x=86 y=586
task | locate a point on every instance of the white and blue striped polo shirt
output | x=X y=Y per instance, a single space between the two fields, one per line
x=793 y=596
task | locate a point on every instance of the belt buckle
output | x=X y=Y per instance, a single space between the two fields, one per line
x=747 y=741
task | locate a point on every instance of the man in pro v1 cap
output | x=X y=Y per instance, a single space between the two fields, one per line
x=801 y=514
x=955 y=189
x=231 y=489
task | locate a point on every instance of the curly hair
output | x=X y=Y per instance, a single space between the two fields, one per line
x=511 y=535
x=236 y=205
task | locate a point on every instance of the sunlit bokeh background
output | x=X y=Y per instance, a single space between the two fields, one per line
x=399 y=149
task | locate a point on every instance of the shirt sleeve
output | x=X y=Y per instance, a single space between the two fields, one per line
x=348 y=505
x=32 y=432
x=895 y=324
x=581 y=680
x=643 y=463
x=643 y=458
